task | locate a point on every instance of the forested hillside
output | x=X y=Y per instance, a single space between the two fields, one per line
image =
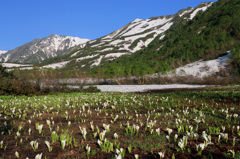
x=130 y=38
x=209 y=35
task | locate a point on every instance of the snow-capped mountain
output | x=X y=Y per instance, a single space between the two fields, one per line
x=86 y=54
x=2 y=52
x=132 y=37
x=41 y=49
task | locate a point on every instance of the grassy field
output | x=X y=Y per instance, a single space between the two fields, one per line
x=199 y=123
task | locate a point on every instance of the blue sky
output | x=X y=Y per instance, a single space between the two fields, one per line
x=21 y=21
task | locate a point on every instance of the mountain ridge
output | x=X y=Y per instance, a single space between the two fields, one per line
x=133 y=38
x=2 y=52
x=39 y=50
x=130 y=38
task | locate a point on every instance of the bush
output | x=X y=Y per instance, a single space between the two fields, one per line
x=10 y=84
x=91 y=89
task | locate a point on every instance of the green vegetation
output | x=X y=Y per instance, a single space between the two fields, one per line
x=30 y=82
x=197 y=124
x=10 y=84
x=235 y=61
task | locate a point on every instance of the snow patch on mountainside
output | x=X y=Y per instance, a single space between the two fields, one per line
x=106 y=49
x=204 y=68
x=57 y=65
x=86 y=57
x=162 y=37
x=115 y=42
x=145 y=25
x=185 y=12
x=75 y=54
x=141 y=44
x=26 y=68
x=193 y=14
x=4 y=56
x=97 y=62
x=97 y=45
x=115 y=55
x=12 y=65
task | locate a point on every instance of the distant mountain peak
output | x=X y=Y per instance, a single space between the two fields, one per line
x=2 y=52
x=41 y=49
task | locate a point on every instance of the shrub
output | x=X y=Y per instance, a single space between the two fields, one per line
x=10 y=84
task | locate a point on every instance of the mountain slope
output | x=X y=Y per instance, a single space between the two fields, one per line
x=3 y=55
x=132 y=37
x=41 y=49
x=207 y=36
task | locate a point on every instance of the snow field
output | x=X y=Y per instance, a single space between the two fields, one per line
x=56 y=65
x=142 y=88
x=204 y=68
x=11 y=65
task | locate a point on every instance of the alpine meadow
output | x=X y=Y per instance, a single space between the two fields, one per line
x=163 y=87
